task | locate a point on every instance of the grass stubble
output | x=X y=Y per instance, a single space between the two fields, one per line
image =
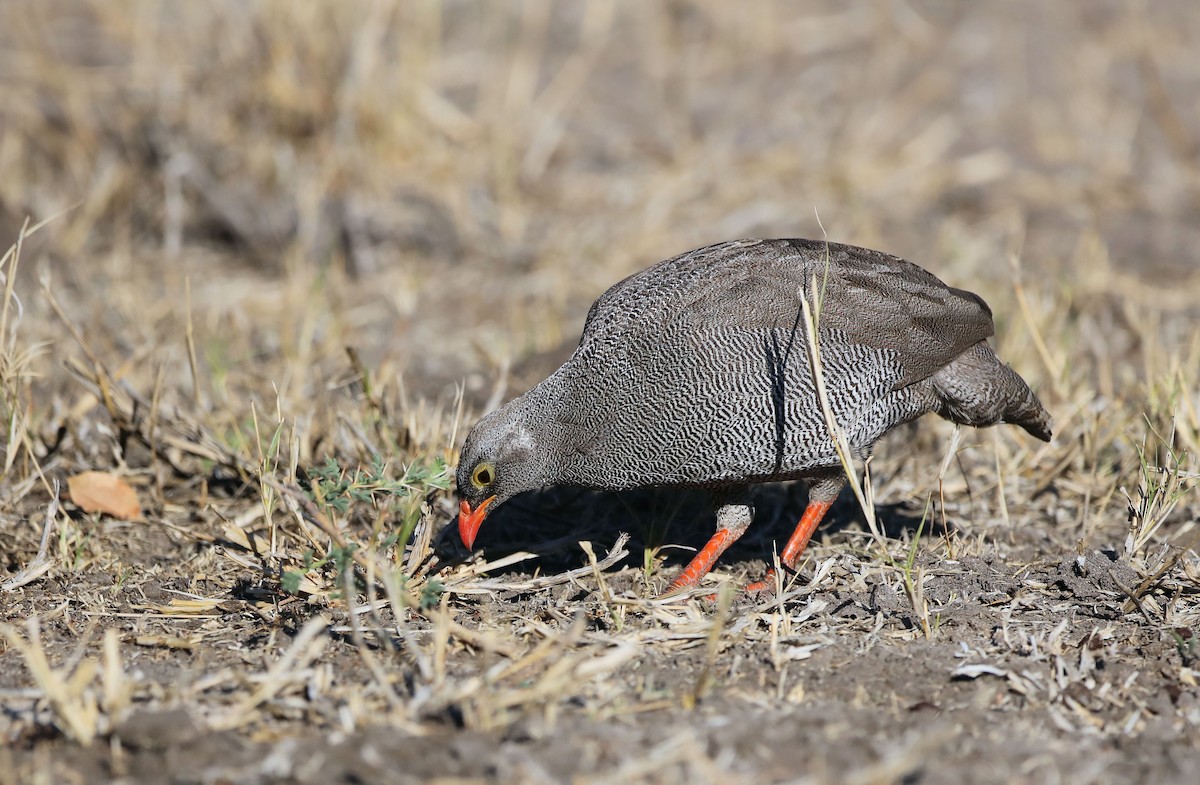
x=294 y=490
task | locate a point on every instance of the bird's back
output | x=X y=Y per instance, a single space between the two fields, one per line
x=872 y=298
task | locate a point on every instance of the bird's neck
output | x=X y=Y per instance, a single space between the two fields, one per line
x=539 y=412
x=572 y=423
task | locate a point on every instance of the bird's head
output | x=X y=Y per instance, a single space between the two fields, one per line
x=500 y=459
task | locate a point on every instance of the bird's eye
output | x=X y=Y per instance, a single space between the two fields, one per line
x=483 y=476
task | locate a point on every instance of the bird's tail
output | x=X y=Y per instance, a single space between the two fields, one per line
x=976 y=388
x=1024 y=408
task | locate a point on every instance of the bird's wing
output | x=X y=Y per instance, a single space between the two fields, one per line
x=867 y=297
x=648 y=299
x=884 y=302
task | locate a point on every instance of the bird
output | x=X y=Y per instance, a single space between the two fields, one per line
x=697 y=373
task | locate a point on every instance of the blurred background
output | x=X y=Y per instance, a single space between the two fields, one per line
x=446 y=186
x=292 y=243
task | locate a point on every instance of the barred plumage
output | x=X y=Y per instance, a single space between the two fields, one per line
x=696 y=372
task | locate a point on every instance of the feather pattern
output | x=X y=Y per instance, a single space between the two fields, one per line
x=696 y=371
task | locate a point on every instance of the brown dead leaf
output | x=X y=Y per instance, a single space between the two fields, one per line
x=104 y=492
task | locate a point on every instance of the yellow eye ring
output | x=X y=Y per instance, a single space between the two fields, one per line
x=483 y=476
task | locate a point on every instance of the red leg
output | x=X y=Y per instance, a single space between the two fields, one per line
x=813 y=515
x=732 y=520
x=702 y=562
x=790 y=558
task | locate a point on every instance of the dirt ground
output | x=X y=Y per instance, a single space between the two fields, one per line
x=278 y=257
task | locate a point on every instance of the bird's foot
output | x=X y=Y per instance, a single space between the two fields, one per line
x=765 y=586
x=768 y=586
x=774 y=582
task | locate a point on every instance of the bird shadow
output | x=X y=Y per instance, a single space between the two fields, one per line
x=673 y=522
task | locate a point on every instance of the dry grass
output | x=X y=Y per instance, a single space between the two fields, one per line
x=284 y=256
